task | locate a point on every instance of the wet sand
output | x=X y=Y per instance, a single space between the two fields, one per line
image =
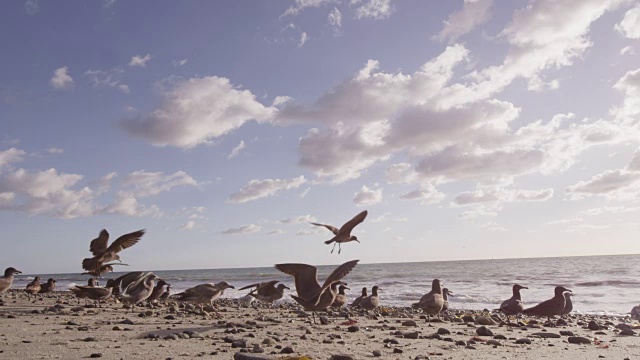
x=55 y=327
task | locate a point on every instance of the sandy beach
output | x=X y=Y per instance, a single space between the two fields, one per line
x=56 y=327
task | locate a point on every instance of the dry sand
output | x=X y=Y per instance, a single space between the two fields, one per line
x=57 y=328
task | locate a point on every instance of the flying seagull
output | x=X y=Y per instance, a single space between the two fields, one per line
x=103 y=254
x=343 y=234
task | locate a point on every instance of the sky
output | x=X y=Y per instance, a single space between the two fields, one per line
x=468 y=129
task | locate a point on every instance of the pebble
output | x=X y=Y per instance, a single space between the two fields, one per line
x=353 y=328
x=523 y=341
x=593 y=325
x=287 y=350
x=483 y=320
x=627 y=332
x=96 y=355
x=409 y=323
x=494 y=342
x=547 y=335
x=342 y=357
x=578 y=340
x=377 y=353
x=397 y=351
x=484 y=331
x=411 y=335
x=269 y=342
x=247 y=356
x=241 y=343
x=443 y=331
x=566 y=333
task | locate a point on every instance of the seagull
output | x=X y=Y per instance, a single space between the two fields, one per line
x=33 y=287
x=78 y=290
x=124 y=280
x=103 y=254
x=267 y=292
x=311 y=295
x=343 y=234
x=48 y=287
x=341 y=298
x=568 y=304
x=432 y=302
x=7 y=280
x=445 y=296
x=203 y=294
x=166 y=293
x=157 y=292
x=551 y=307
x=513 y=305
x=358 y=300
x=93 y=292
x=372 y=301
x=102 y=270
x=139 y=290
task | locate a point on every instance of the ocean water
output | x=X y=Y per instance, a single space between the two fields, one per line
x=601 y=284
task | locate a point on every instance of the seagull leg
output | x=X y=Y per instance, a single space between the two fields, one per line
x=339 y=248
x=334 y=247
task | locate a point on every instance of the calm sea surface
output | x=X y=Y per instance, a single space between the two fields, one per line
x=601 y=284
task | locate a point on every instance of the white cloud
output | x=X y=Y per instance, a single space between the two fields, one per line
x=189 y=225
x=244 y=229
x=182 y=62
x=142 y=183
x=126 y=204
x=367 y=196
x=196 y=111
x=236 y=150
x=610 y=209
x=565 y=221
x=61 y=79
x=493 y=227
x=276 y=232
x=401 y=173
x=257 y=189
x=426 y=193
x=496 y=194
x=630 y=24
x=463 y=21
x=335 y=19
x=627 y=50
x=303 y=4
x=303 y=39
x=629 y=84
x=373 y=9
x=618 y=184
x=298 y=219
x=11 y=155
x=31 y=7
x=314 y=231
x=107 y=78
x=583 y=228
x=139 y=60
x=55 y=150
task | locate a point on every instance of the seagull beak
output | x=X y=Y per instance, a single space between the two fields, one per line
x=524 y=287
x=347 y=288
x=357 y=240
x=19 y=272
x=288 y=288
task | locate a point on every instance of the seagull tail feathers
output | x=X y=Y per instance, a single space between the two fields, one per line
x=90 y=264
x=329 y=241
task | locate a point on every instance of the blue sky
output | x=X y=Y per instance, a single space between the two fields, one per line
x=468 y=129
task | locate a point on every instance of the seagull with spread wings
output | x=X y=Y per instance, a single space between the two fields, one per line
x=343 y=234
x=103 y=254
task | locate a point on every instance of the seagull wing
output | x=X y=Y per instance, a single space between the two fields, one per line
x=349 y=225
x=306 y=279
x=331 y=228
x=340 y=272
x=125 y=241
x=99 y=245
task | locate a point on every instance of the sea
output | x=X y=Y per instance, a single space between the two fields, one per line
x=601 y=284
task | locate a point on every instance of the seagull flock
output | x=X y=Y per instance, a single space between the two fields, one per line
x=135 y=288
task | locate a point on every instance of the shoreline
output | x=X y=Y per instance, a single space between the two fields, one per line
x=56 y=327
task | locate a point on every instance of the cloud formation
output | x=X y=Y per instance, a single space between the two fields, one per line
x=367 y=196
x=472 y=14
x=140 y=61
x=61 y=79
x=257 y=189
x=244 y=229
x=630 y=25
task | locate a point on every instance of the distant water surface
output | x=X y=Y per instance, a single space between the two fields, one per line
x=602 y=284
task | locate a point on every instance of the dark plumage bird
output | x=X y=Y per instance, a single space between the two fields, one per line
x=341 y=297
x=568 y=304
x=445 y=296
x=102 y=270
x=551 y=307
x=343 y=234
x=432 y=302
x=311 y=295
x=358 y=300
x=33 y=287
x=204 y=294
x=93 y=292
x=166 y=293
x=77 y=290
x=103 y=254
x=48 y=287
x=372 y=301
x=7 y=280
x=267 y=292
x=513 y=305
x=157 y=292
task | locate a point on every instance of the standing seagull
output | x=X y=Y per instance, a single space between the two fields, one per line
x=166 y=293
x=48 y=287
x=203 y=294
x=341 y=298
x=79 y=293
x=568 y=304
x=160 y=288
x=7 y=280
x=513 y=305
x=267 y=292
x=343 y=234
x=93 y=292
x=373 y=301
x=445 y=296
x=33 y=287
x=358 y=300
x=432 y=302
x=138 y=291
x=311 y=295
x=551 y=307
x=103 y=254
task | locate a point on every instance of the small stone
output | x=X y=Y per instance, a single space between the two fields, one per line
x=247 y=356
x=443 y=331
x=241 y=343
x=562 y=322
x=578 y=340
x=470 y=347
x=397 y=351
x=409 y=323
x=523 y=341
x=342 y=357
x=483 y=320
x=411 y=335
x=484 y=331
x=171 y=337
x=377 y=353
x=461 y=343
x=72 y=323
x=89 y=339
x=566 y=333
x=324 y=320
x=126 y=322
x=500 y=337
x=287 y=350
x=467 y=318
x=546 y=335
x=353 y=328
x=627 y=332
x=117 y=328
x=593 y=325
x=95 y=355
x=494 y=342
x=269 y=342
